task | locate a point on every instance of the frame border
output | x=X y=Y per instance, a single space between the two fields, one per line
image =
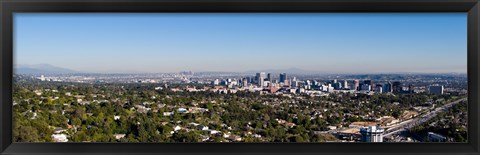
x=9 y=7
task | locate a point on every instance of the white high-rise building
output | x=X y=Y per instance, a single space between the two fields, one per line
x=216 y=82
x=372 y=134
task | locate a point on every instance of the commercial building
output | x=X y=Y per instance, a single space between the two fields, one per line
x=244 y=82
x=283 y=77
x=216 y=82
x=260 y=78
x=356 y=85
x=397 y=87
x=366 y=87
x=387 y=87
x=345 y=84
x=436 y=89
x=378 y=88
x=369 y=82
x=372 y=134
x=59 y=138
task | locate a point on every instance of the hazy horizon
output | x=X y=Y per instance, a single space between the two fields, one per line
x=172 y=42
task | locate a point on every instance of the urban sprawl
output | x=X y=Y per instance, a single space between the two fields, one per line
x=240 y=107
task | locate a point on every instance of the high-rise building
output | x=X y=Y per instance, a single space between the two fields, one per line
x=283 y=77
x=356 y=85
x=369 y=82
x=378 y=88
x=249 y=79
x=244 y=82
x=286 y=83
x=269 y=77
x=260 y=78
x=224 y=82
x=365 y=87
x=372 y=134
x=387 y=87
x=397 y=87
x=308 y=83
x=294 y=83
x=337 y=86
x=216 y=82
x=345 y=84
x=436 y=89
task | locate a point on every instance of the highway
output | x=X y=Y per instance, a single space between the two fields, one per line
x=403 y=126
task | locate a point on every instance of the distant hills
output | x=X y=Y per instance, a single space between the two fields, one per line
x=42 y=69
x=51 y=69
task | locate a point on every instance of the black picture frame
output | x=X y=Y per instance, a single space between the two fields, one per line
x=9 y=7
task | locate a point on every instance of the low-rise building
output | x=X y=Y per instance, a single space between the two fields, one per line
x=59 y=138
x=119 y=136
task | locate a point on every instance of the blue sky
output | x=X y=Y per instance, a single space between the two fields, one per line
x=318 y=42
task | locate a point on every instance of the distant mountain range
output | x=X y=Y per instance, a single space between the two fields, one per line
x=51 y=69
x=42 y=69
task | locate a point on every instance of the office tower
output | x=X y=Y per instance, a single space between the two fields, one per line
x=260 y=78
x=345 y=84
x=286 y=83
x=356 y=85
x=334 y=81
x=257 y=77
x=387 y=87
x=244 y=82
x=436 y=89
x=216 y=82
x=224 y=82
x=294 y=83
x=378 y=88
x=307 y=82
x=365 y=87
x=372 y=134
x=283 y=77
x=337 y=86
x=269 y=77
x=397 y=87
x=267 y=83
x=369 y=82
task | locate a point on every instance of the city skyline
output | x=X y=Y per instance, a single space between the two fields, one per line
x=324 y=43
